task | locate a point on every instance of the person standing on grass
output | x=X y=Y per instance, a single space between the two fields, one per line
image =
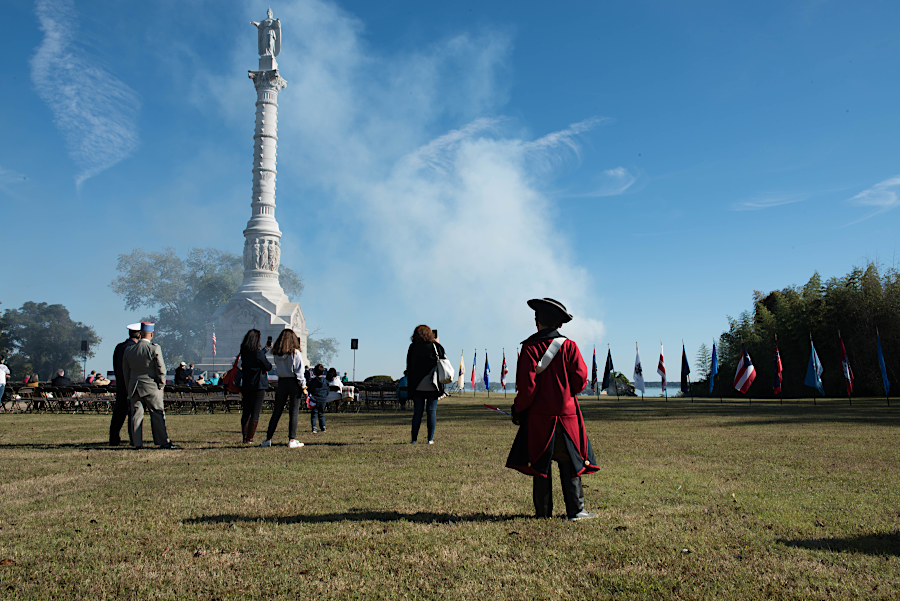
x=122 y=408
x=291 y=386
x=253 y=365
x=145 y=373
x=4 y=373
x=423 y=387
x=318 y=398
x=550 y=372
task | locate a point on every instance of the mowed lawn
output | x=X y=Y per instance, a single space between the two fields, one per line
x=696 y=501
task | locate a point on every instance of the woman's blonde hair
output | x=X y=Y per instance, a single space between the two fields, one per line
x=286 y=344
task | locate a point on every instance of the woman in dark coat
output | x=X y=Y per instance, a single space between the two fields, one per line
x=254 y=383
x=424 y=389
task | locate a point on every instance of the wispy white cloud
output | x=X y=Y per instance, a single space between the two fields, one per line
x=881 y=197
x=95 y=111
x=609 y=182
x=768 y=201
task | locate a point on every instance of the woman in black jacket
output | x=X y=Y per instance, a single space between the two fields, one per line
x=424 y=389
x=254 y=383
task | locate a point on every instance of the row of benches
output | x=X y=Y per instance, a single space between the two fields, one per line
x=187 y=399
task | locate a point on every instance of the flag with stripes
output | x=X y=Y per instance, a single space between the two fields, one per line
x=746 y=373
x=661 y=368
x=474 y=360
x=845 y=367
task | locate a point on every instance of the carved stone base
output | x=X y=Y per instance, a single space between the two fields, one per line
x=234 y=318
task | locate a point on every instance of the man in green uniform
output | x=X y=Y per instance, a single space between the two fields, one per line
x=144 y=371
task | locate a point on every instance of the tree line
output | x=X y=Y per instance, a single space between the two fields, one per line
x=857 y=305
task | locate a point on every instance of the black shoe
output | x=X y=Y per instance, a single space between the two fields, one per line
x=169 y=445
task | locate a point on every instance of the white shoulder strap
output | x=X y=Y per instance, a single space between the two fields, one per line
x=550 y=353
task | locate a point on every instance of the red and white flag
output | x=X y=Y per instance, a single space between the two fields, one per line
x=503 y=372
x=661 y=368
x=746 y=373
x=214 y=341
x=845 y=367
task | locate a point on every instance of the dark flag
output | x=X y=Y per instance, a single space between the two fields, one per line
x=776 y=384
x=685 y=370
x=713 y=369
x=884 y=377
x=594 y=373
x=607 y=371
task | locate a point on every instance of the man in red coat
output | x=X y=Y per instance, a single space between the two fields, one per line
x=550 y=372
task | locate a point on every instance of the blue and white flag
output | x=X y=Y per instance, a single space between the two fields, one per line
x=487 y=373
x=884 y=378
x=713 y=369
x=814 y=371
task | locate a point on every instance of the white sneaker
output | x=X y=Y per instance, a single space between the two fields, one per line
x=430 y=442
x=295 y=444
x=266 y=443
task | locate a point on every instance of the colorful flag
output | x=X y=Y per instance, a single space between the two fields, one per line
x=607 y=371
x=496 y=409
x=214 y=341
x=474 y=361
x=661 y=368
x=594 y=372
x=713 y=369
x=462 y=370
x=685 y=370
x=884 y=378
x=845 y=367
x=745 y=374
x=503 y=372
x=814 y=371
x=487 y=372
x=638 y=376
x=776 y=384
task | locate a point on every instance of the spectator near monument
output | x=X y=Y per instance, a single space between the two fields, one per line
x=550 y=372
x=60 y=379
x=291 y=387
x=180 y=378
x=91 y=377
x=144 y=370
x=424 y=388
x=254 y=383
x=318 y=392
x=345 y=379
x=122 y=408
x=4 y=374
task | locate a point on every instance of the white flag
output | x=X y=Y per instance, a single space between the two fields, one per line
x=462 y=371
x=638 y=372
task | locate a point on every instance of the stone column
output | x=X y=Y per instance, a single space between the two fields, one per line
x=262 y=237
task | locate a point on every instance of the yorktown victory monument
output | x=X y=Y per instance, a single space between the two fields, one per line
x=260 y=302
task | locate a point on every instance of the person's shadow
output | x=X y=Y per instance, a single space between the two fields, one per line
x=877 y=543
x=356 y=515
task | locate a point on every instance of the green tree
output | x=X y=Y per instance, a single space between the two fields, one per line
x=321 y=350
x=43 y=338
x=702 y=363
x=184 y=293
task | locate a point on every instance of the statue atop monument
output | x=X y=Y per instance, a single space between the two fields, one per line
x=269 y=35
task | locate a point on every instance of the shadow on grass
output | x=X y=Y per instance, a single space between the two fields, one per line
x=357 y=515
x=879 y=543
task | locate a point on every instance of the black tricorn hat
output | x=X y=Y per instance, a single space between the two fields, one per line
x=554 y=307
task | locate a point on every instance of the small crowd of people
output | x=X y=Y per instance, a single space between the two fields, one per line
x=546 y=409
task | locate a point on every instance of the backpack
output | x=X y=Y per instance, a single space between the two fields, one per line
x=232 y=378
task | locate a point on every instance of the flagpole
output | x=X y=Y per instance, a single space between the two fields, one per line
x=614 y=380
x=486 y=387
x=503 y=375
x=878 y=338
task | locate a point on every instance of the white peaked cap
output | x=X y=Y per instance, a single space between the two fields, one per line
x=135 y=327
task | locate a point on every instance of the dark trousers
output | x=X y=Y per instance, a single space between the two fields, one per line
x=429 y=407
x=121 y=412
x=251 y=405
x=317 y=412
x=542 y=490
x=288 y=391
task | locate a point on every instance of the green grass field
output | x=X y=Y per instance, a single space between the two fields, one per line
x=696 y=501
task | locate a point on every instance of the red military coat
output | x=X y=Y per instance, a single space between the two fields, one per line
x=548 y=399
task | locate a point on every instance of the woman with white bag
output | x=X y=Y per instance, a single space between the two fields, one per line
x=426 y=376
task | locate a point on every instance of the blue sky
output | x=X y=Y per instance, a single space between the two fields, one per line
x=649 y=164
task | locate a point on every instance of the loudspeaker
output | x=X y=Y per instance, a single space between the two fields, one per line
x=354 y=344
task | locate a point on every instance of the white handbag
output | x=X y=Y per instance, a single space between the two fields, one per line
x=442 y=373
